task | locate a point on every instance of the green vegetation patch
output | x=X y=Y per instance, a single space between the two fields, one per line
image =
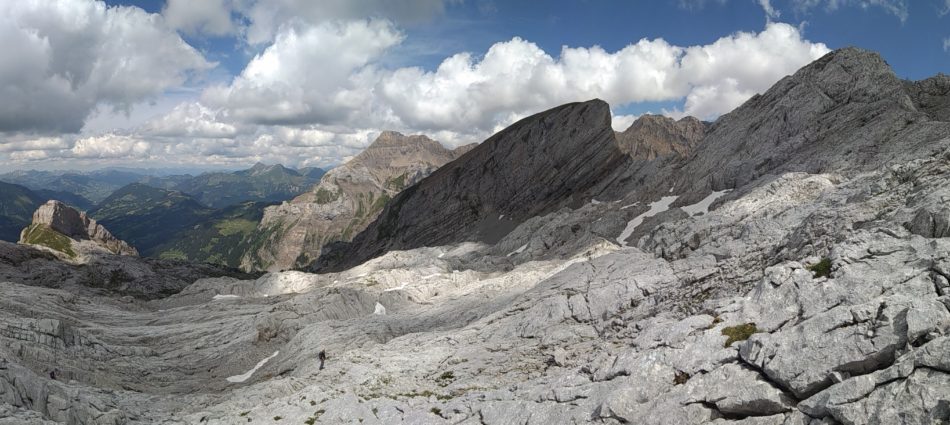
x=235 y=226
x=821 y=268
x=379 y=204
x=680 y=377
x=738 y=333
x=173 y=254
x=323 y=196
x=445 y=378
x=316 y=415
x=396 y=183
x=39 y=234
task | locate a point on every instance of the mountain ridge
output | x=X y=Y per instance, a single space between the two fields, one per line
x=347 y=198
x=561 y=157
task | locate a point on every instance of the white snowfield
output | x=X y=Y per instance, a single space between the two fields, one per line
x=247 y=375
x=702 y=207
x=655 y=208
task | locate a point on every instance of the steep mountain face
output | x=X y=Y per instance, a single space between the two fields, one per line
x=346 y=200
x=223 y=237
x=651 y=136
x=17 y=204
x=265 y=183
x=845 y=112
x=558 y=158
x=146 y=216
x=63 y=229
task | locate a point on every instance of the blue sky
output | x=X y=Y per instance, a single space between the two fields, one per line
x=914 y=47
x=226 y=83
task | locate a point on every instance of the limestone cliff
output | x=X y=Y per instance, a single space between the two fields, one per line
x=61 y=228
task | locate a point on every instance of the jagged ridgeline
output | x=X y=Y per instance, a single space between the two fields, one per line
x=846 y=112
x=787 y=264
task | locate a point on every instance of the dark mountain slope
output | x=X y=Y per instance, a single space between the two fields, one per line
x=561 y=157
x=221 y=238
x=17 y=204
x=145 y=216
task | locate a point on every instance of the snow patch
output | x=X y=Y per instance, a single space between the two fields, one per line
x=655 y=208
x=702 y=207
x=518 y=251
x=380 y=309
x=630 y=206
x=247 y=375
x=224 y=297
x=398 y=288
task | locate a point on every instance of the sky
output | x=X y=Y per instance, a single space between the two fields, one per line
x=226 y=83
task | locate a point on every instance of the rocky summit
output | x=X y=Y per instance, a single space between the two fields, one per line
x=651 y=136
x=61 y=228
x=347 y=199
x=791 y=267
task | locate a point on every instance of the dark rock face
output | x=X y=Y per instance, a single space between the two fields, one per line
x=651 y=136
x=565 y=156
x=930 y=224
x=932 y=96
x=105 y=273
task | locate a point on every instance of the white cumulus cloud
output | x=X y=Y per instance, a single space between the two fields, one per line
x=63 y=58
x=309 y=74
x=320 y=92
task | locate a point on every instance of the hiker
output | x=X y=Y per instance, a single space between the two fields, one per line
x=322 y=355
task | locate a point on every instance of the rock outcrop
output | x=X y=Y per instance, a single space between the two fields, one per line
x=651 y=136
x=59 y=227
x=347 y=199
x=562 y=157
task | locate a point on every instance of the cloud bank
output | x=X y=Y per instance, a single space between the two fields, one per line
x=319 y=89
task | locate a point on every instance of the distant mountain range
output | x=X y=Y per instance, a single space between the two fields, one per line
x=261 y=182
x=160 y=214
x=214 y=189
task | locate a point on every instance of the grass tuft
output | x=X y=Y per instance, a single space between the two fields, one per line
x=738 y=333
x=821 y=268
